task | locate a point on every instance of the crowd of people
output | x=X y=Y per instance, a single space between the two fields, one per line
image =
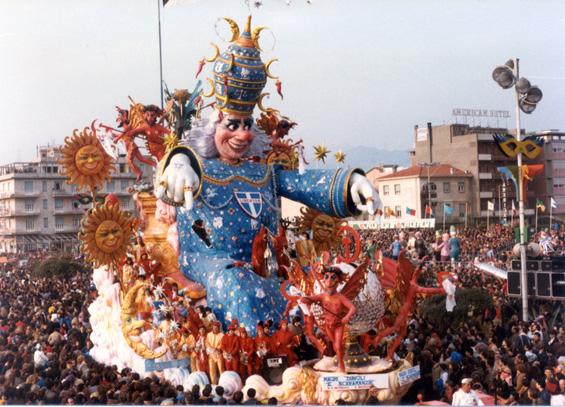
x=44 y=338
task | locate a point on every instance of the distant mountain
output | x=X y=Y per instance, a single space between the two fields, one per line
x=367 y=157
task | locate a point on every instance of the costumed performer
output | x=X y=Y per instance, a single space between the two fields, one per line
x=227 y=195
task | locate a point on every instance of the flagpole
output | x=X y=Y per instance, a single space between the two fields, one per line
x=444 y=217
x=536 y=217
x=550 y=213
x=466 y=215
x=512 y=215
x=160 y=52
x=488 y=215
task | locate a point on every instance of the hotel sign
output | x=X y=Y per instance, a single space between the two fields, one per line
x=393 y=223
x=498 y=114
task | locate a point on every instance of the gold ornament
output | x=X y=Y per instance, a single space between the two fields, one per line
x=84 y=160
x=320 y=153
x=216 y=53
x=268 y=67
x=170 y=141
x=324 y=229
x=256 y=34
x=131 y=327
x=340 y=157
x=105 y=234
x=234 y=29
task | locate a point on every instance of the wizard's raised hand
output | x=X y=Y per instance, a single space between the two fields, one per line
x=364 y=195
x=178 y=182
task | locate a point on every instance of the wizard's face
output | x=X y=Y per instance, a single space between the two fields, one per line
x=233 y=137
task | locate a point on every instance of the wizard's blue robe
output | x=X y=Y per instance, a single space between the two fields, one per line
x=231 y=205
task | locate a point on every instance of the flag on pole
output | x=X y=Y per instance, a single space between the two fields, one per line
x=490 y=206
x=389 y=211
x=447 y=209
x=553 y=203
x=513 y=208
x=411 y=212
x=428 y=211
x=540 y=205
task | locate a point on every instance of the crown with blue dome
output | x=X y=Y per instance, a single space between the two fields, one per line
x=239 y=73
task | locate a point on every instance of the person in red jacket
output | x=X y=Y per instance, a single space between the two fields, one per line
x=230 y=348
x=262 y=348
x=246 y=354
x=283 y=343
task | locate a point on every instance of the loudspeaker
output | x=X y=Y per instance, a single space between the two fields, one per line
x=546 y=278
x=543 y=284
x=514 y=283
x=558 y=284
x=273 y=369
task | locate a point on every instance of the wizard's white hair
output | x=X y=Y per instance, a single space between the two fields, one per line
x=201 y=138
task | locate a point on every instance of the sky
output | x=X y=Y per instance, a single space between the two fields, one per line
x=354 y=72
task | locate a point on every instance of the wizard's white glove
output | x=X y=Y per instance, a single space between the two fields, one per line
x=178 y=181
x=360 y=187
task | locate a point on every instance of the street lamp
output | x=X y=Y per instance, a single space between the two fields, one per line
x=527 y=98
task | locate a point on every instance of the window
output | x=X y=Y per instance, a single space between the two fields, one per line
x=58 y=203
x=28 y=186
x=124 y=203
x=55 y=170
x=396 y=189
x=57 y=186
x=59 y=222
x=123 y=168
x=110 y=185
x=45 y=204
x=28 y=205
x=461 y=186
x=45 y=223
x=124 y=184
x=385 y=189
x=30 y=224
x=446 y=187
x=398 y=210
x=462 y=210
x=76 y=222
x=44 y=186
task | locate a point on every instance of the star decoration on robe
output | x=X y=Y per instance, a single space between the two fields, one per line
x=320 y=153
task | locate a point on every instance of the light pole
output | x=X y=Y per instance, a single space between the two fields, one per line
x=527 y=97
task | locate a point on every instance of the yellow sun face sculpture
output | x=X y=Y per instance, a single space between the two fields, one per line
x=85 y=162
x=106 y=234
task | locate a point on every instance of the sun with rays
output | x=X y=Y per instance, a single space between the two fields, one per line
x=84 y=160
x=106 y=234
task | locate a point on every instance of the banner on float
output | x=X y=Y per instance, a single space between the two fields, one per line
x=423 y=223
x=409 y=375
x=152 y=366
x=355 y=382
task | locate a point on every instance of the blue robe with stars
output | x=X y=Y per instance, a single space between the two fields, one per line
x=233 y=203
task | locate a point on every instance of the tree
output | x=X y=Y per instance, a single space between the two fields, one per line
x=470 y=303
x=57 y=267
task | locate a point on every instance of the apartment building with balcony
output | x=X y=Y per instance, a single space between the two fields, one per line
x=473 y=150
x=40 y=211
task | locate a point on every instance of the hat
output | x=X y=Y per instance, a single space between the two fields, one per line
x=216 y=323
x=232 y=326
x=466 y=380
x=239 y=73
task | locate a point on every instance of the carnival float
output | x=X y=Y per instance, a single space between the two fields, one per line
x=192 y=287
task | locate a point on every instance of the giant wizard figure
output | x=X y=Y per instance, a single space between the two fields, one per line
x=225 y=193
